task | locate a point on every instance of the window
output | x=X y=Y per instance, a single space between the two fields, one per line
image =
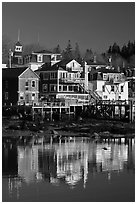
x=20 y=61
x=53 y=75
x=33 y=84
x=45 y=75
x=104 y=76
x=45 y=87
x=119 y=97
x=105 y=97
x=6 y=95
x=64 y=88
x=6 y=84
x=33 y=94
x=60 y=88
x=53 y=88
x=39 y=58
x=63 y=75
x=112 y=88
x=69 y=76
x=103 y=88
x=70 y=88
x=26 y=84
x=21 y=96
x=76 y=88
x=122 y=88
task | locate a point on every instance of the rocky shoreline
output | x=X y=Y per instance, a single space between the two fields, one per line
x=18 y=131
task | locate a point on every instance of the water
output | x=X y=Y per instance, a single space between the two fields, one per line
x=69 y=171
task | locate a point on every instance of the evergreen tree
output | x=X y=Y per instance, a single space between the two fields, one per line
x=89 y=55
x=109 y=50
x=28 y=49
x=115 y=49
x=57 y=49
x=124 y=52
x=7 y=44
x=68 y=51
x=77 y=54
x=131 y=48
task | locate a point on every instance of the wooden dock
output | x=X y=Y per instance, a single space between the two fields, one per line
x=111 y=110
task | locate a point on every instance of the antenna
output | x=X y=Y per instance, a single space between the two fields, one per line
x=18 y=35
x=38 y=38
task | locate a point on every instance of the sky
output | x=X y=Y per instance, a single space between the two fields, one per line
x=93 y=25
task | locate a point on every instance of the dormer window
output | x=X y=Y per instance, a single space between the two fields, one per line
x=18 y=48
x=112 y=88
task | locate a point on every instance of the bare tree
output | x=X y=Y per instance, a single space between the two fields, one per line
x=7 y=44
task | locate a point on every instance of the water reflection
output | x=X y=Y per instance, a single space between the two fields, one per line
x=69 y=162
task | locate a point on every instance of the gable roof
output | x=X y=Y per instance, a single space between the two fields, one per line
x=18 y=44
x=63 y=62
x=90 y=62
x=12 y=72
x=29 y=73
x=47 y=67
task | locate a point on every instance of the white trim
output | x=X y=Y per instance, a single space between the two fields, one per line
x=34 y=83
x=28 y=91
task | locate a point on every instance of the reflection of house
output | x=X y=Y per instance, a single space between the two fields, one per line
x=47 y=164
x=62 y=80
x=9 y=161
x=109 y=84
x=113 y=158
x=19 y=85
x=72 y=162
x=36 y=59
x=28 y=163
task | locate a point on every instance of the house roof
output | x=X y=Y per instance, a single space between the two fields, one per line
x=12 y=72
x=63 y=62
x=90 y=62
x=18 y=44
x=47 y=67
x=104 y=70
x=43 y=52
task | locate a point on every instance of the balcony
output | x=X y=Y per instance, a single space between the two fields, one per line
x=66 y=80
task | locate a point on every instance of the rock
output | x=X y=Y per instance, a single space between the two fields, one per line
x=95 y=136
x=105 y=134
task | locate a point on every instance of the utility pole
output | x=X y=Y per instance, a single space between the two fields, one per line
x=10 y=55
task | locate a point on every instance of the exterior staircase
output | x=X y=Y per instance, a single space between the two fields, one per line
x=93 y=95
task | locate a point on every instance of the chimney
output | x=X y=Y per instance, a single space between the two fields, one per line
x=86 y=75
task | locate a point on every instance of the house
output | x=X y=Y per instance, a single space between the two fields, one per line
x=130 y=75
x=109 y=84
x=28 y=89
x=19 y=86
x=94 y=64
x=63 y=80
x=16 y=56
x=36 y=59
